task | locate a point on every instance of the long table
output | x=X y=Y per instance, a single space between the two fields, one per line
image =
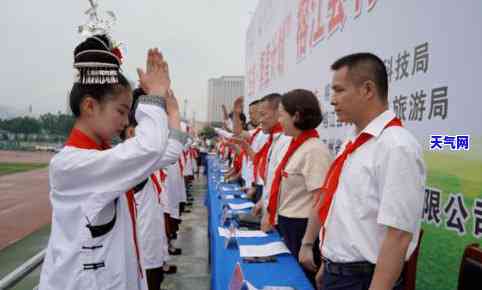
x=284 y=272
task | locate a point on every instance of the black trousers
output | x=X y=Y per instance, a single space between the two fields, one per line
x=259 y=193
x=292 y=230
x=359 y=281
x=154 y=278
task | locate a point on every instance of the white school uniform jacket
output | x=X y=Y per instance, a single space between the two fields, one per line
x=175 y=190
x=193 y=156
x=187 y=160
x=162 y=206
x=88 y=188
x=150 y=224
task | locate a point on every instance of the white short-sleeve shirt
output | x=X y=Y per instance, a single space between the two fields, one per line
x=277 y=151
x=248 y=167
x=381 y=184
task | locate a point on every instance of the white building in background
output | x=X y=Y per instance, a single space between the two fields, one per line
x=223 y=91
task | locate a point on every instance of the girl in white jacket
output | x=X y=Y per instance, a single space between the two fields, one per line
x=93 y=242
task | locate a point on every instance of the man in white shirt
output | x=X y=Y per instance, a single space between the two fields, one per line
x=276 y=145
x=372 y=225
x=250 y=141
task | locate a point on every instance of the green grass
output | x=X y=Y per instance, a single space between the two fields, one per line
x=9 y=168
x=455 y=173
x=442 y=249
x=16 y=254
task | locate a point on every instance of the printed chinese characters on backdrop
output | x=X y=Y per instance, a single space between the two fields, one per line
x=292 y=43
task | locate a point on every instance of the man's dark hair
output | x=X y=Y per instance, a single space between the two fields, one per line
x=364 y=67
x=273 y=99
x=306 y=104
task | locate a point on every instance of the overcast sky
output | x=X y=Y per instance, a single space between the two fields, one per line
x=201 y=39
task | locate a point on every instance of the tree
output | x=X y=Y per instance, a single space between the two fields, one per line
x=207 y=132
x=21 y=125
x=59 y=124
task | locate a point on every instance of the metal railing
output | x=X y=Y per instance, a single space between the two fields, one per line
x=21 y=272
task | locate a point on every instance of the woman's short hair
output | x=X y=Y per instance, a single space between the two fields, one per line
x=306 y=104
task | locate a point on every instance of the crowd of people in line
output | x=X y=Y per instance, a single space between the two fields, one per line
x=353 y=220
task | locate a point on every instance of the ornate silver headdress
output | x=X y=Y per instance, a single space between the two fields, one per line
x=97 y=72
x=98 y=22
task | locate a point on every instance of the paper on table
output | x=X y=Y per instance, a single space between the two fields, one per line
x=223 y=232
x=231 y=196
x=271 y=249
x=243 y=205
x=250 y=286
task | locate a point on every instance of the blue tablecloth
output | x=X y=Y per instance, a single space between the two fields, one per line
x=284 y=272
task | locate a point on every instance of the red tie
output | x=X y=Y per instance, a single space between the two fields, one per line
x=333 y=175
x=181 y=167
x=133 y=213
x=276 y=184
x=260 y=158
x=158 y=187
x=242 y=153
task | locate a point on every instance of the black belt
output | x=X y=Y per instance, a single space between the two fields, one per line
x=348 y=269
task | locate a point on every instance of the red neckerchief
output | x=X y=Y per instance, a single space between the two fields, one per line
x=163 y=176
x=181 y=166
x=222 y=147
x=256 y=132
x=133 y=213
x=79 y=139
x=333 y=175
x=158 y=187
x=276 y=184
x=250 y=142
x=261 y=156
x=238 y=161
x=193 y=153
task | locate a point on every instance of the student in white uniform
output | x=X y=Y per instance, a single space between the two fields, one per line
x=175 y=195
x=93 y=242
x=163 y=202
x=269 y=153
x=150 y=217
x=189 y=164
